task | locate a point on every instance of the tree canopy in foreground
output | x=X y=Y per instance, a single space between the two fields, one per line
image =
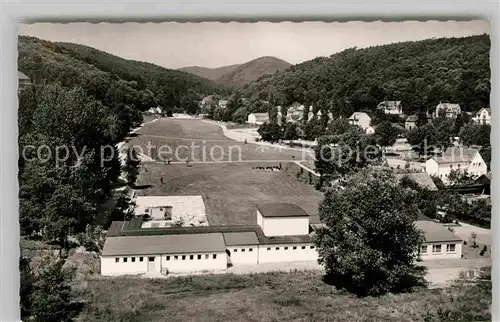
x=370 y=243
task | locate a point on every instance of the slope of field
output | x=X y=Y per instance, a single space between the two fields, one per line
x=220 y=170
x=200 y=141
x=210 y=73
x=294 y=296
x=230 y=190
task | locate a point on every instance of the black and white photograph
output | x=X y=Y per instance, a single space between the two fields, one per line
x=266 y=171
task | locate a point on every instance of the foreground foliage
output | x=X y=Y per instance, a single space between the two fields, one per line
x=294 y=296
x=46 y=291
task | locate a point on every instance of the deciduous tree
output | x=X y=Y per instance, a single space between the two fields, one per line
x=370 y=243
x=132 y=163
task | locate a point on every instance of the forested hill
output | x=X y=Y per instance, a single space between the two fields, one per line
x=95 y=70
x=420 y=74
x=252 y=70
x=210 y=73
x=239 y=75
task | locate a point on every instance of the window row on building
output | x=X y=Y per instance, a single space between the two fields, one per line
x=242 y=250
x=293 y=248
x=190 y=257
x=436 y=249
x=168 y=258
x=133 y=259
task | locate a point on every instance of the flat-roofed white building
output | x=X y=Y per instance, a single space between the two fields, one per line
x=282 y=219
x=287 y=251
x=242 y=247
x=440 y=242
x=282 y=235
x=190 y=210
x=132 y=255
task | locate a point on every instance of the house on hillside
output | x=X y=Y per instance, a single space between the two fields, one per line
x=485 y=180
x=295 y=113
x=440 y=242
x=411 y=122
x=456 y=158
x=257 y=118
x=483 y=116
x=223 y=103
x=362 y=120
x=206 y=103
x=391 y=107
x=22 y=81
x=450 y=110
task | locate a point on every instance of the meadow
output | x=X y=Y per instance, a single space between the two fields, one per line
x=230 y=190
x=274 y=296
x=179 y=139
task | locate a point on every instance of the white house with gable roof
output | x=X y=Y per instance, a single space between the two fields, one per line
x=483 y=116
x=456 y=158
x=391 y=107
x=257 y=118
x=450 y=110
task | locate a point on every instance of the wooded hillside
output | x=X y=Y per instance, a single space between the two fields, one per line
x=95 y=70
x=420 y=74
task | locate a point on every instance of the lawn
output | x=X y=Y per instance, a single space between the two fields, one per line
x=230 y=190
x=294 y=296
x=201 y=141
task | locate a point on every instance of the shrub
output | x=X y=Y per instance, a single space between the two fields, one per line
x=92 y=239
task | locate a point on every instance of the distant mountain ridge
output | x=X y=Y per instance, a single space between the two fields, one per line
x=239 y=75
x=210 y=73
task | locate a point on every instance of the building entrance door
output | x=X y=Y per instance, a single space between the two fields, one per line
x=151 y=264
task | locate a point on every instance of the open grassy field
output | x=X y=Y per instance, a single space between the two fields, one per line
x=295 y=296
x=230 y=190
x=201 y=141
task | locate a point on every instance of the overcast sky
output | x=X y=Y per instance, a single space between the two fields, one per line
x=212 y=44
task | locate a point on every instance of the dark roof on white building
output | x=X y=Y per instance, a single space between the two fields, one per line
x=163 y=244
x=241 y=238
x=281 y=210
x=435 y=232
x=457 y=154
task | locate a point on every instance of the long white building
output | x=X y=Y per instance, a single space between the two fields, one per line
x=282 y=234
